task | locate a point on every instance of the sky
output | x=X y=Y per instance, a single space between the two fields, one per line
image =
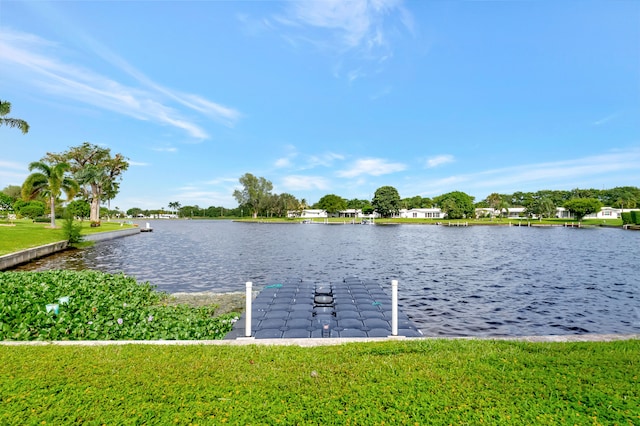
x=327 y=97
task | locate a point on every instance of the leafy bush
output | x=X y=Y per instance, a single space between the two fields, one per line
x=71 y=230
x=635 y=217
x=100 y=306
x=41 y=219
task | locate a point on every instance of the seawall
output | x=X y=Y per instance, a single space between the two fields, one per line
x=24 y=256
x=14 y=259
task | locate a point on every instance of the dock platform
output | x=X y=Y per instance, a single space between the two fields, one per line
x=305 y=309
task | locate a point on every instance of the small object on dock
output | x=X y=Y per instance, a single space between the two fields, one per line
x=148 y=228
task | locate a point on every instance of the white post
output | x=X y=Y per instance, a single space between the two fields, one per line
x=394 y=307
x=247 y=313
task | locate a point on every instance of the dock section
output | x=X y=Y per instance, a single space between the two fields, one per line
x=305 y=309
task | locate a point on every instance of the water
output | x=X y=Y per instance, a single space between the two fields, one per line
x=454 y=281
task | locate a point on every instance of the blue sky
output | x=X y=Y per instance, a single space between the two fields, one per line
x=325 y=97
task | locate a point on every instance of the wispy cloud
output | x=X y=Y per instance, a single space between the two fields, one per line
x=33 y=60
x=338 y=26
x=604 y=120
x=165 y=149
x=14 y=173
x=372 y=167
x=439 y=160
x=303 y=183
x=299 y=161
x=591 y=171
x=138 y=163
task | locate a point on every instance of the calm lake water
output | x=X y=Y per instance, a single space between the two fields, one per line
x=454 y=281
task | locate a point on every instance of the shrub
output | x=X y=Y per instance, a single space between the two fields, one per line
x=93 y=305
x=71 y=230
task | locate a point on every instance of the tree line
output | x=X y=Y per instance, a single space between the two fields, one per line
x=87 y=174
x=257 y=198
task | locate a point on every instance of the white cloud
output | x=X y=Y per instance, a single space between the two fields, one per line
x=12 y=165
x=283 y=162
x=300 y=183
x=373 y=167
x=593 y=171
x=439 y=160
x=138 y=163
x=32 y=60
x=359 y=28
x=166 y=149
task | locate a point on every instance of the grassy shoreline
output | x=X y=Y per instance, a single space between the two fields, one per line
x=24 y=234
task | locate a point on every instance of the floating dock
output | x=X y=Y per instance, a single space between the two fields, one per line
x=305 y=309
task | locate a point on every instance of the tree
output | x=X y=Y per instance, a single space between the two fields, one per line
x=175 y=205
x=49 y=182
x=542 y=207
x=254 y=194
x=134 y=211
x=5 y=108
x=386 y=201
x=30 y=209
x=79 y=208
x=5 y=202
x=95 y=169
x=580 y=207
x=13 y=191
x=331 y=203
x=456 y=204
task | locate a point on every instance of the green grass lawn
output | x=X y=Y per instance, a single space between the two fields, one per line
x=26 y=234
x=401 y=382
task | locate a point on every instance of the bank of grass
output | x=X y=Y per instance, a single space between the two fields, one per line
x=22 y=234
x=400 y=382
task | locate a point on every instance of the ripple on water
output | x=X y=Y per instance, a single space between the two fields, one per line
x=453 y=282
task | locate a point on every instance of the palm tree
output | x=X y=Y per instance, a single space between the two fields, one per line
x=5 y=108
x=49 y=181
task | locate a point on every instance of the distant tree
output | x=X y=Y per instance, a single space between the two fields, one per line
x=456 y=204
x=416 y=202
x=386 y=201
x=542 y=207
x=286 y=203
x=331 y=203
x=5 y=108
x=30 y=209
x=134 y=211
x=95 y=169
x=13 y=191
x=49 y=181
x=580 y=207
x=79 y=208
x=254 y=194
x=6 y=202
x=175 y=206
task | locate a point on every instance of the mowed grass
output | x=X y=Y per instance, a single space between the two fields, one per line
x=26 y=234
x=401 y=382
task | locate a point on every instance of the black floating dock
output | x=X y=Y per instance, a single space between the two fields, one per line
x=304 y=309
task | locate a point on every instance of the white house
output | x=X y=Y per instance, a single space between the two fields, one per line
x=313 y=213
x=432 y=213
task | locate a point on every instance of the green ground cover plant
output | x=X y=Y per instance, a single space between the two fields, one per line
x=411 y=382
x=91 y=305
x=26 y=234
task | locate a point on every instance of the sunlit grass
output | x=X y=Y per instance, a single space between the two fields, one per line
x=410 y=382
x=22 y=234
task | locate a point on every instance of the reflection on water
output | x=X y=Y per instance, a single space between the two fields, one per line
x=472 y=281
